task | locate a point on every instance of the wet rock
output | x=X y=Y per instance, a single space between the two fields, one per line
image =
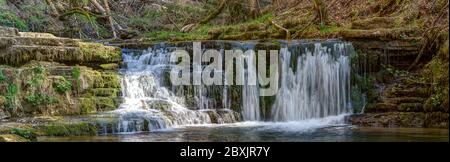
x=12 y=138
x=411 y=107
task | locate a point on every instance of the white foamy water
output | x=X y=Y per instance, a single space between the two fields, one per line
x=148 y=105
x=319 y=86
x=312 y=94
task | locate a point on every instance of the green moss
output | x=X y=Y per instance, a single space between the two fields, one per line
x=2 y=101
x=329 y=29
x=69 y=129
x=105 y=104
x=62 y=85
x=87 y=105
x=90 y=105
x=112 y=66
x=105 y=92
x=109 y=80
x=96 y=52
x=25 y=133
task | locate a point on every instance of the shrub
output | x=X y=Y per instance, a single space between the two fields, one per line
x=40 y=99
x=62 y=85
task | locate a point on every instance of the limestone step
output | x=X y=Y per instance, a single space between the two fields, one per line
x=31 y=41
x=36 y=35
x=105 y=92
x=411 y=107
x=86 y=53
x=380 y=107
x=410 y=92
x=21 y=54
x=66 y=71
x=8 y=32
x=400 y=100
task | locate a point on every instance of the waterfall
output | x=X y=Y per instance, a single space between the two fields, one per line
x=148 y=104
x=314 y=82
x=318 y=87
x=250 y=92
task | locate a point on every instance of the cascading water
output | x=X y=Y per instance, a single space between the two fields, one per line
x=318 y=87
x=314 y=83
x=250 y=92
x=148 y=105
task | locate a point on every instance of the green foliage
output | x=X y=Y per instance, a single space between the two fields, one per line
x=327 y=29
x=37 y=77
x=40 y=99
x=76 y=74
x=11 y=93
x=62 y=85
x=25 y=133
x=10 y=19
x=36 y=18
x=2 y=76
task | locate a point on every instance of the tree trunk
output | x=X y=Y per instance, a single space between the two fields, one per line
x=111 y=22
x=99 y=7
x=254 y=8
x=320 y=10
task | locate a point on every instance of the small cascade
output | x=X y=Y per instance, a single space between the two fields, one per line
x=148 y=104
x=318 y=87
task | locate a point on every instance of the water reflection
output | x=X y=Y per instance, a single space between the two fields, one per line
x=267 y=133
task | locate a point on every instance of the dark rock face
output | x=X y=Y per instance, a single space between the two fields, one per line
x=402 y=104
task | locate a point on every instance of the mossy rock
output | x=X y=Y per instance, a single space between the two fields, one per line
x=380 y=107
x=96 y=52
x=105 y=92
x=106 y=104
x=411 y=107
x=36 y=35
x=111 y=66
x=8 y=32
x=12 y=138
x=29 y=133
x=160 y=105
x=2 y=101
x=87 y=105
x=68 y=129
x=91 y=105
x=90 y=78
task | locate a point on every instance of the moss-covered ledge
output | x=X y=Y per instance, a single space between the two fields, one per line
x=17 y=49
